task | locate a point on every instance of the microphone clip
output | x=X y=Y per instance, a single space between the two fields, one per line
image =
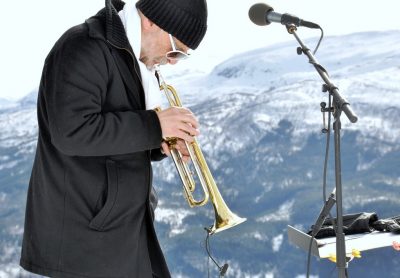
x=325 y=110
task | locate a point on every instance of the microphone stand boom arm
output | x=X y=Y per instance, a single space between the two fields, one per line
x=340 y=104
x=339 y=101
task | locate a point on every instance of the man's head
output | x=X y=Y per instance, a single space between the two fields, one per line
x=185 y=20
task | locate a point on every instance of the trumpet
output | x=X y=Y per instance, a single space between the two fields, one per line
x=224 y=217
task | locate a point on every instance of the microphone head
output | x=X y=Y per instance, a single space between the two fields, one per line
x=223 y=270
x=258 y=12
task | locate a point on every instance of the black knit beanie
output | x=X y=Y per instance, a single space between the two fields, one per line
x=186 y=20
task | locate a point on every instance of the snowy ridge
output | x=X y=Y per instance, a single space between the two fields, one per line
x=282 y=85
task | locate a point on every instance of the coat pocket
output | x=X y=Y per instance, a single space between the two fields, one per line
x=99 y=221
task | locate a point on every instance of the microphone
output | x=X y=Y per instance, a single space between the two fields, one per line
x=263 y=14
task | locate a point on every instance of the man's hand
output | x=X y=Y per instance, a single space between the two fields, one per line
x=180 y=146
x=178 y=122
x=396 y=245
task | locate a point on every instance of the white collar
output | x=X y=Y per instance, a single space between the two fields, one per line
x=132 y=24
x=133 y=27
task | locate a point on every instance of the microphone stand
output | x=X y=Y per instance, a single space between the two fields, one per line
x=340 y=105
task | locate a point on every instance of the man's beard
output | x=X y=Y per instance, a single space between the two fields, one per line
x=161 y=60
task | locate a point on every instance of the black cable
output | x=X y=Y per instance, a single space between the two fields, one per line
x=309 y=257
x=208 y=263
x=320 y=40
x=324 y=178
x=224 y=268
x=314 y=63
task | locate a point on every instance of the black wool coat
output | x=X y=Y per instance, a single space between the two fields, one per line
x=88 y=210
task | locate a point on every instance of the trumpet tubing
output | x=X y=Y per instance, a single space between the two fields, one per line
x=224 y=217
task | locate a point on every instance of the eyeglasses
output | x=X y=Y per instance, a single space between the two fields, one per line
x=175 y=54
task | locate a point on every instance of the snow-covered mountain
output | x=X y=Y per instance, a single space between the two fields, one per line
x=6 y=103
x=364 y=66
x=261 y=134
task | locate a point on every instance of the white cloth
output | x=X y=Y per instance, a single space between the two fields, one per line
x=130 y=18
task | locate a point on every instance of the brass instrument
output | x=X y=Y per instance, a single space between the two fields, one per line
x=224 y=217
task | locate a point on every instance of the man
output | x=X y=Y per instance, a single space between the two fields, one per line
x=88 y=209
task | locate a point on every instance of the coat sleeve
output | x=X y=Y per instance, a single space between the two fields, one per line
x=157 y=155
x=76 y=83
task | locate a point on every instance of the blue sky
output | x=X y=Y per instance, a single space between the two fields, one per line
x=30 y=29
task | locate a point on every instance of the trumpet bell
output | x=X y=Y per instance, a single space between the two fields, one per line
x=225 y=219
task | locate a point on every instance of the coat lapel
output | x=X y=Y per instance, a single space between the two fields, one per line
x=116 y=36
x=129 y=74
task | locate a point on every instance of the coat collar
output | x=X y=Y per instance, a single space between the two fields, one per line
x=106 y=25
x=114 y=29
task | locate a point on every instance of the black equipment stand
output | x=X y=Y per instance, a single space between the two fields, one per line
x=339 y=104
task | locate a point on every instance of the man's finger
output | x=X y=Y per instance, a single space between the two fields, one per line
x=165 y=148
